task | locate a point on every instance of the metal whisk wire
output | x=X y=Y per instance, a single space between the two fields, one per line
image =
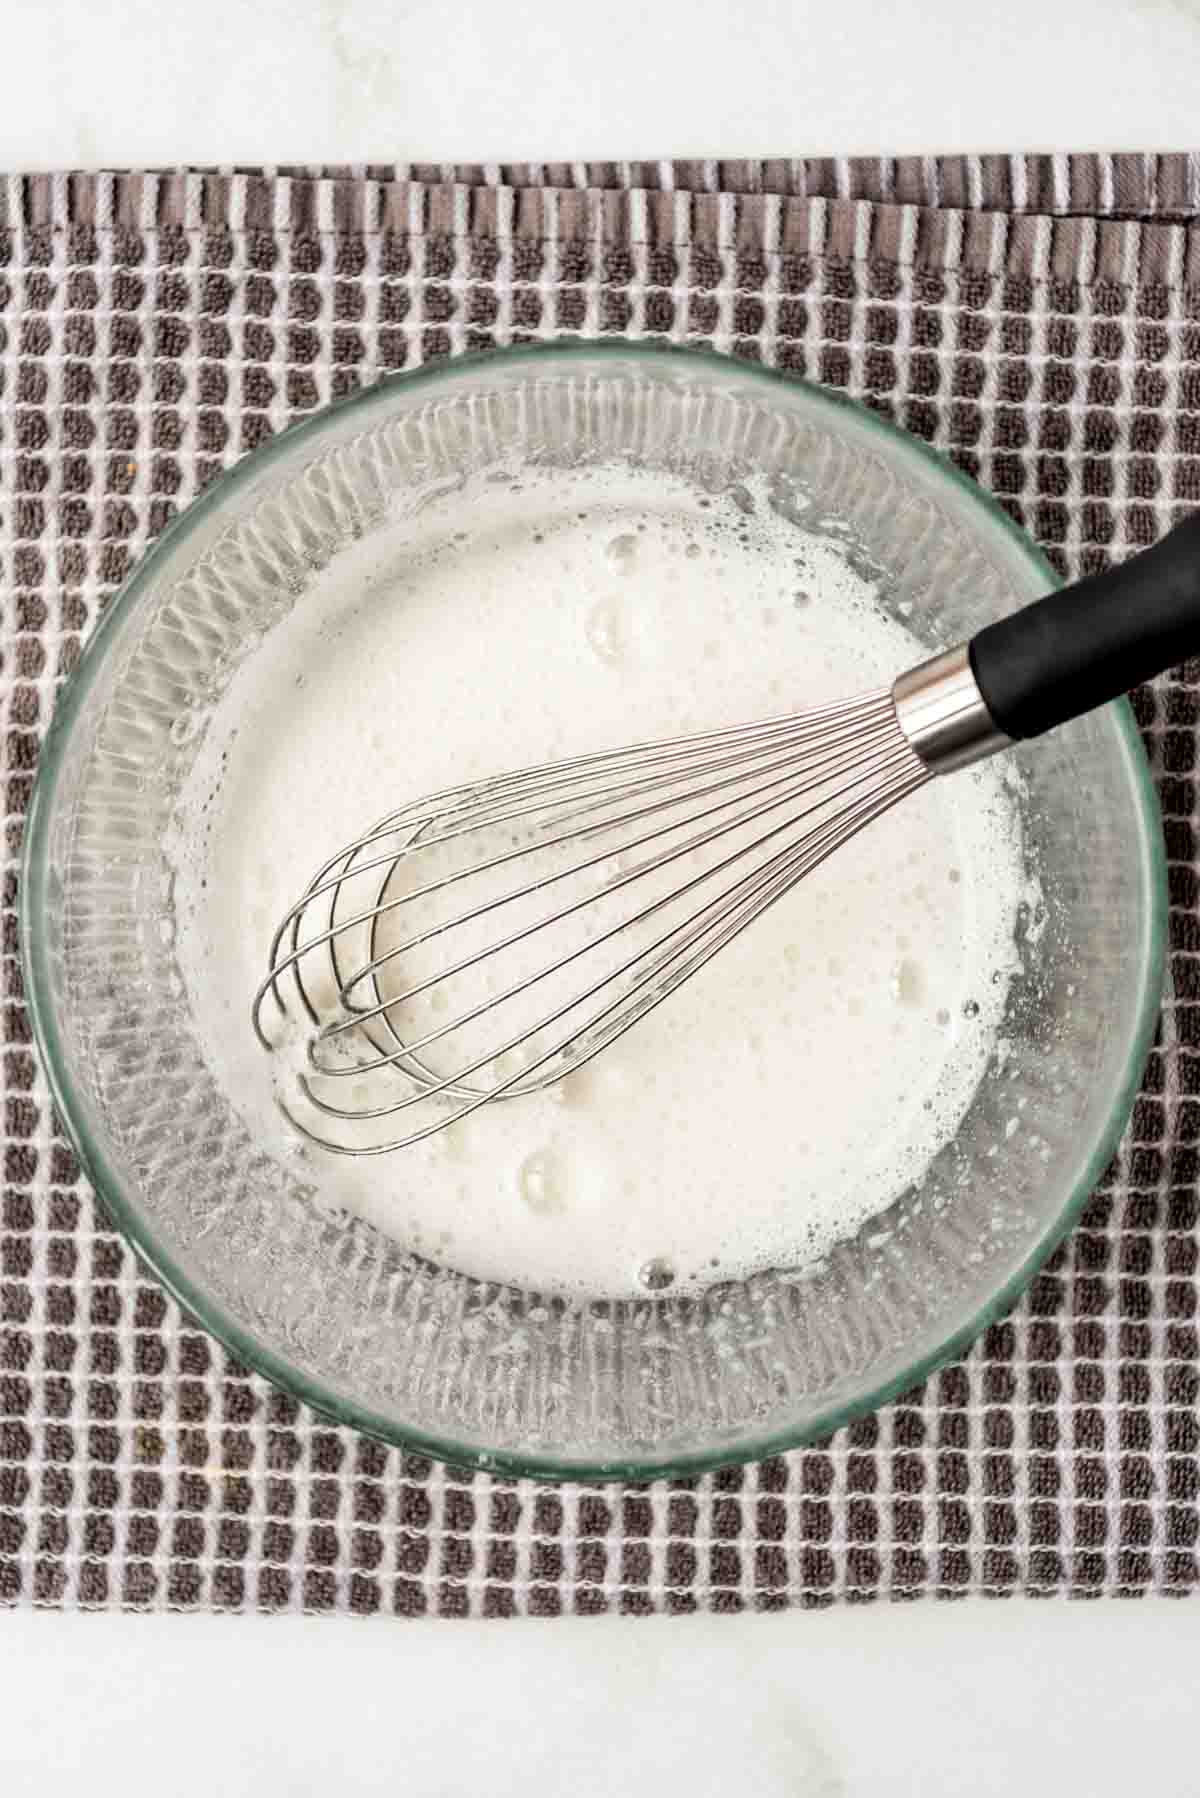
x=832 y=770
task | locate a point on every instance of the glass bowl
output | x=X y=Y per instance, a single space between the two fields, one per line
x=338 y=1313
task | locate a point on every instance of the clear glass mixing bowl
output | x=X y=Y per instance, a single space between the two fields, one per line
x=335 y=1311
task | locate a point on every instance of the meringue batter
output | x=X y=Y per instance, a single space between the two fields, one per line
x=796 y=1085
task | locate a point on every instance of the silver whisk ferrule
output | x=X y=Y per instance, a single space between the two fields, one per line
x=944 y=715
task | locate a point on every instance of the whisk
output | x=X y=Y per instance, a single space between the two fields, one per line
x=492 y=939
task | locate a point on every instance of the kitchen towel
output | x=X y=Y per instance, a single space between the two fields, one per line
x=1035 y=318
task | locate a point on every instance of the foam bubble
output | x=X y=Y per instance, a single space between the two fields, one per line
x=543 y=1182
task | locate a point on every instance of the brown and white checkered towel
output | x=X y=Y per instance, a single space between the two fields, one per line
x=1038 y=319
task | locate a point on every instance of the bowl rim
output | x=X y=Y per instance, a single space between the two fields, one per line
x=211 y=1315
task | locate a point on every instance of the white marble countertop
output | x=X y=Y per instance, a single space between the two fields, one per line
x=903 y=1701
x=934 y=1699
x=153 y=82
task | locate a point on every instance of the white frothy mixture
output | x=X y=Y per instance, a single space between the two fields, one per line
x=796 y=1085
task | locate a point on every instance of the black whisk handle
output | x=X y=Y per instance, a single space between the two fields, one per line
x=1087 y=643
